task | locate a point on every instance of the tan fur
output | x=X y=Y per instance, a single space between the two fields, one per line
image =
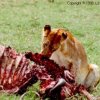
x=66 y=50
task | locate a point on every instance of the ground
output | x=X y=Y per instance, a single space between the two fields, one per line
x=21 y=23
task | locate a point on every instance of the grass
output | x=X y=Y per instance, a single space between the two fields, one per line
x=21 y=23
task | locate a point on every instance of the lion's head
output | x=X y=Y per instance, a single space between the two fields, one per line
x=52 y=39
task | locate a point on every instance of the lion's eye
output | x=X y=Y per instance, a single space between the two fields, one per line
x=45 y=45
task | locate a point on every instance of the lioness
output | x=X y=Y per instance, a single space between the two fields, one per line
x=67 y=51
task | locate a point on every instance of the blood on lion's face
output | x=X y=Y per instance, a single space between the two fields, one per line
x=51 y=39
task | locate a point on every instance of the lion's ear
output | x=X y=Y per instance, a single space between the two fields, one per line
x=64 y=35
x=47 y=29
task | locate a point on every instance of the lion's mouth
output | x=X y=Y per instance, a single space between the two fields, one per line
x=46 y=53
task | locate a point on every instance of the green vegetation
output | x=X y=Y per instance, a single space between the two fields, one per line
x=21 y=23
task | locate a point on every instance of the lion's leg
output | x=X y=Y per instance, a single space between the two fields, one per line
x=93 y=76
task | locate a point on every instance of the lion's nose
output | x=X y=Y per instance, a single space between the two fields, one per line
x=42 y=52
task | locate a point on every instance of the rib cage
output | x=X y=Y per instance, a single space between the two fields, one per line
x=15 y=70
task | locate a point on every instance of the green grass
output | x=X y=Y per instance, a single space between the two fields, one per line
x=21 y=23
